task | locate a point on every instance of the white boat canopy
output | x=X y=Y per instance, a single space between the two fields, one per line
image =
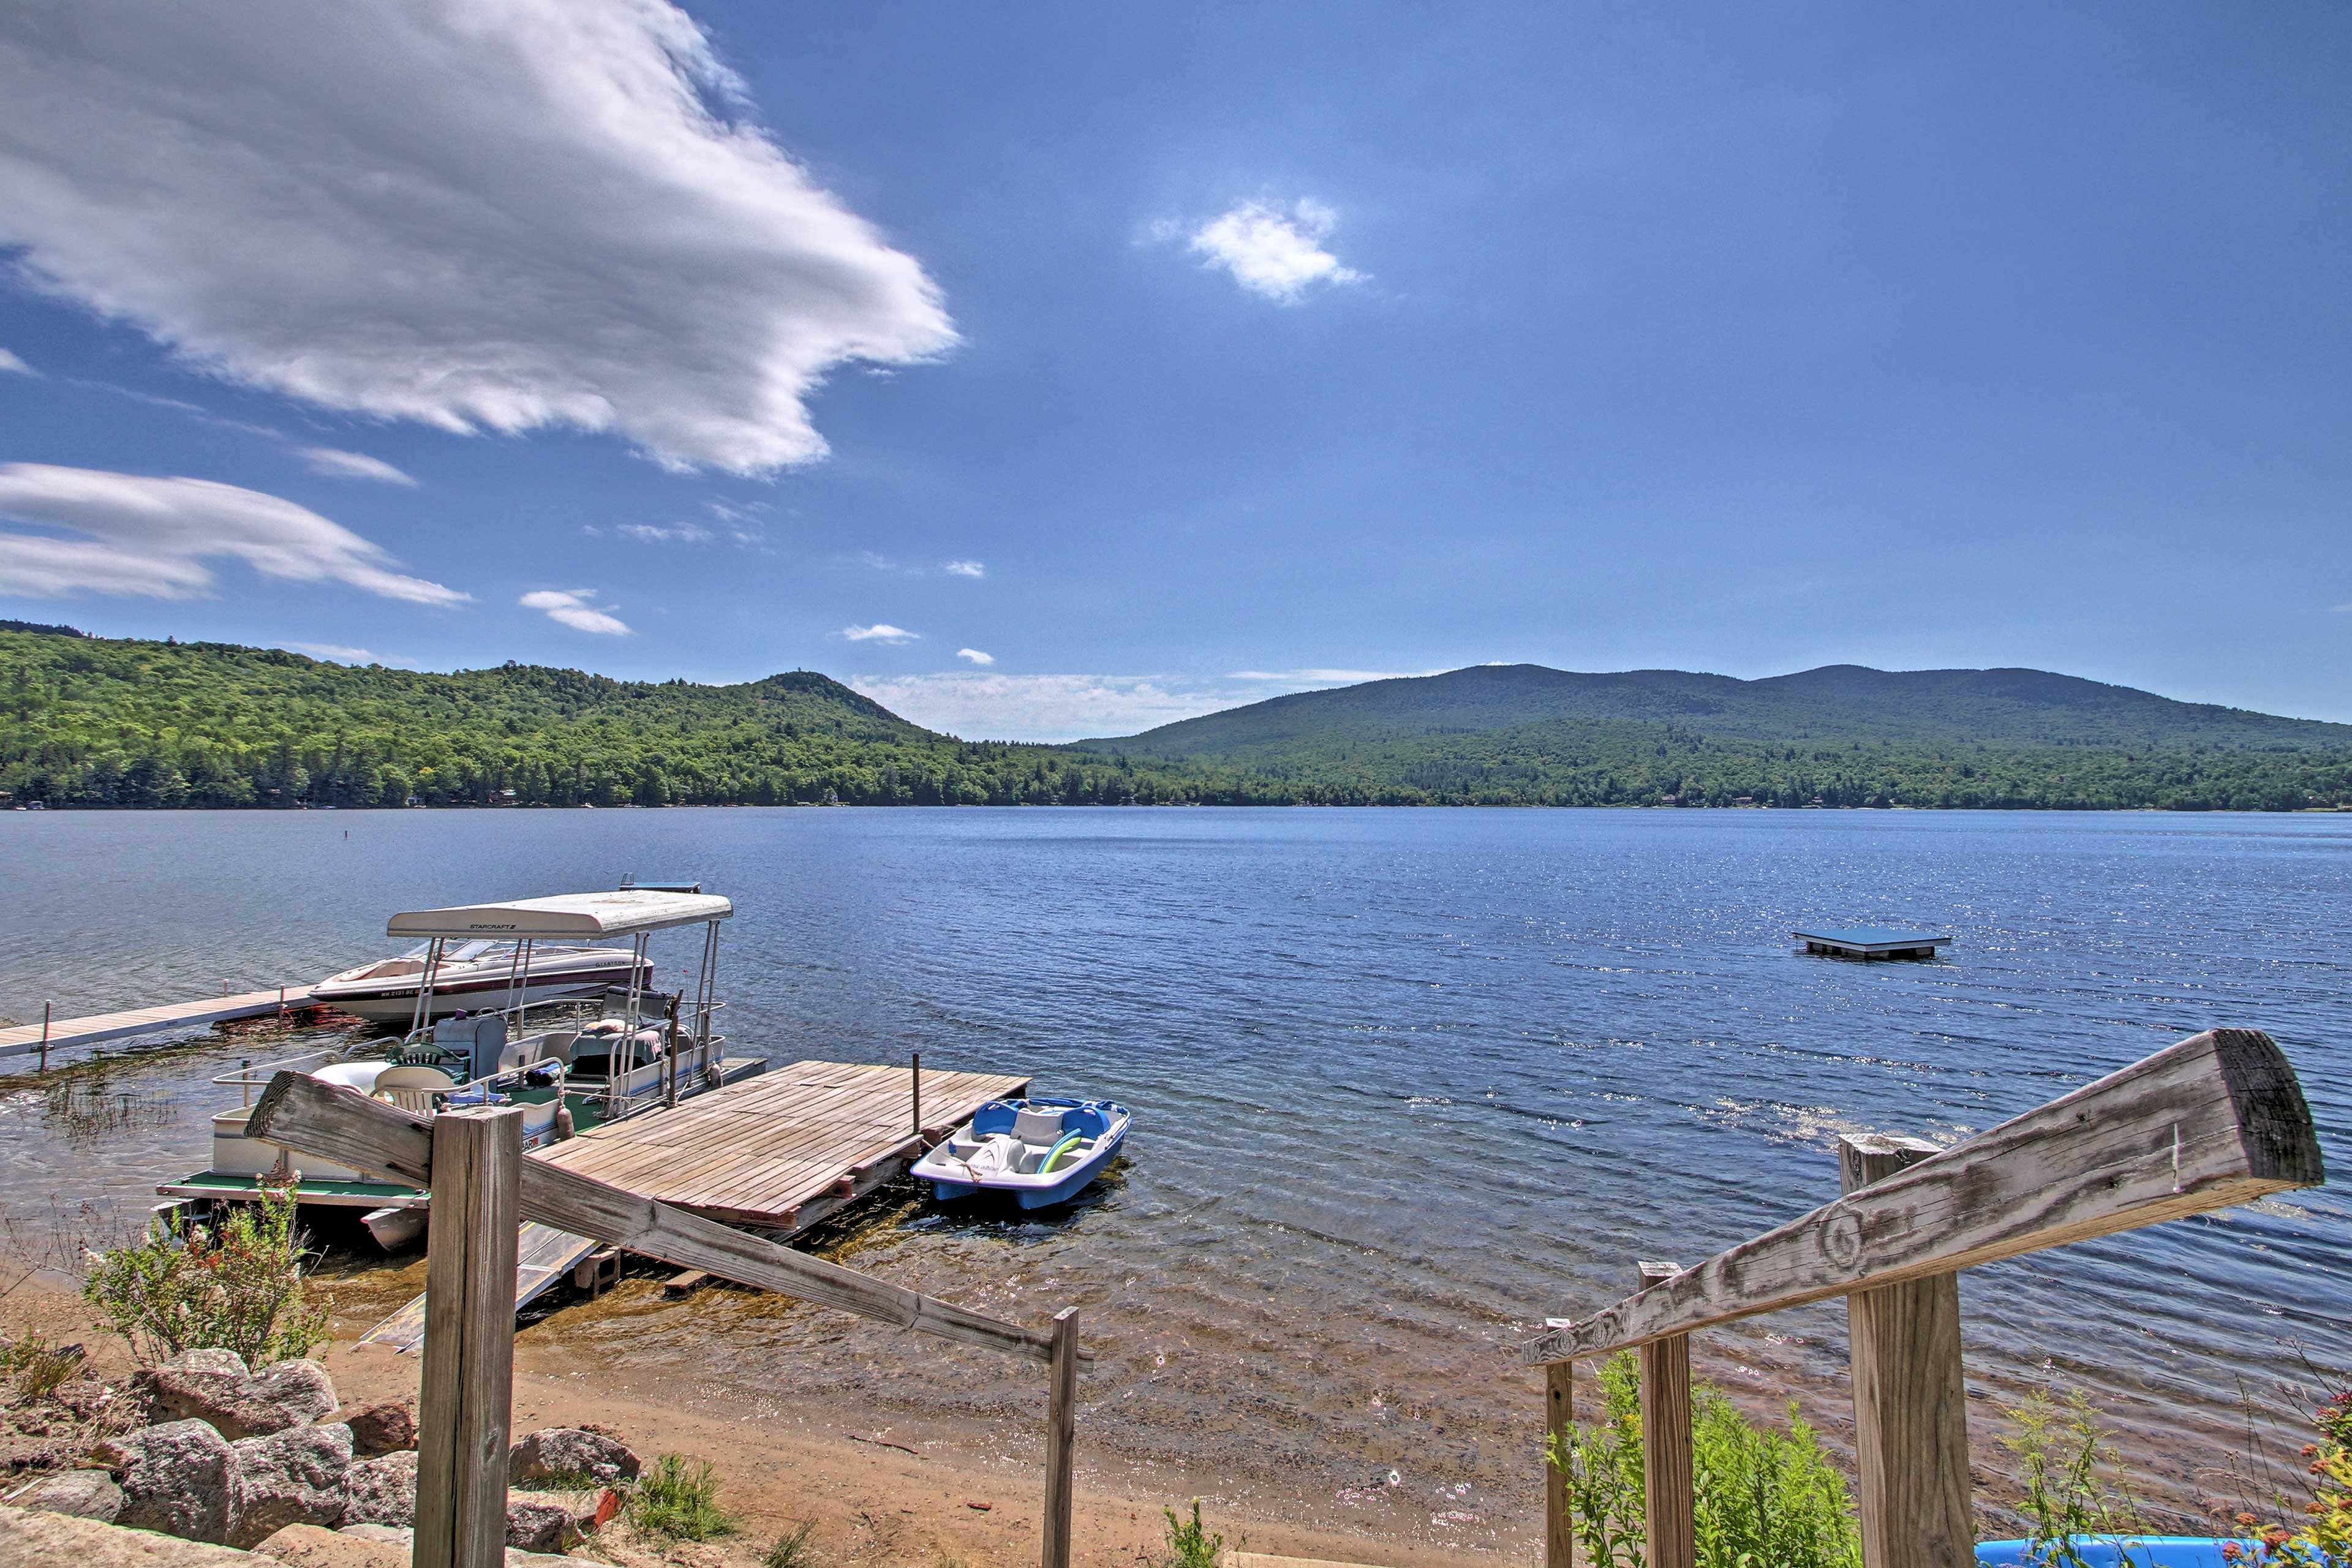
x=568 y=917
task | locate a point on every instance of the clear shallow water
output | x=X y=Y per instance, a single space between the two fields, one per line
x=1405 y=1082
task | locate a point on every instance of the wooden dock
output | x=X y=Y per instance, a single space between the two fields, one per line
x=774 y=1154
x=781 y=1151
x=60 y=1033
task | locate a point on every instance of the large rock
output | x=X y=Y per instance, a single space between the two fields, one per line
x=567 y=1454
x=58 y=1538
x=538 y=1521
x=294 y=1477
x=384 y=1428
x=381 y=1491
x=85 y=1494
x=183 y=1482
x=215 y=1386
x=307 y=1546
x=300 y=1388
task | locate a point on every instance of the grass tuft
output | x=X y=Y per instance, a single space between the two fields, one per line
x=790 y=1551
x=678 y=1501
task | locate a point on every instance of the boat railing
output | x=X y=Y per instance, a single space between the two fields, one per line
x=248 y=1076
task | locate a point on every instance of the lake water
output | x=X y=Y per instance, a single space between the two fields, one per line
x=1405 y=1083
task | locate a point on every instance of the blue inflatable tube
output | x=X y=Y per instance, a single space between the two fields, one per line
x=2127 y=1552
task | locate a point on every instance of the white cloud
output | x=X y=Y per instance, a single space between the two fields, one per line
x=881 y=632
x=964 y=569
x=11 y=365
x=479 y=216
x=1303 y=679
x=1271 y=252
x=340 y=654
x=151 y=536
x=983 y=706
x=570 y=607
x=975 y=656
x=676 y=533
x=337 y=463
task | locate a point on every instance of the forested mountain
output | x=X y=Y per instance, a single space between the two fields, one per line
x=96 y=721
x=1838 y=702
x=1841 y=735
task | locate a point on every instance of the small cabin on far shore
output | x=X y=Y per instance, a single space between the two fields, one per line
x=1871 y=941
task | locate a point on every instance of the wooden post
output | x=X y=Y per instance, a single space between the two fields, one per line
x=1560 y=1427
x=1061 y=1435
x=915 y=1085
x=1910 y=1397
x=45 y=1034
x=467 y=1404
x=1670 y=1510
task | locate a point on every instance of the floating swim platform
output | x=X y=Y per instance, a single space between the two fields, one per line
x=1872 y=941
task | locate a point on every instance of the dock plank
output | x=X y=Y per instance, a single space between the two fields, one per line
x=204 y=1011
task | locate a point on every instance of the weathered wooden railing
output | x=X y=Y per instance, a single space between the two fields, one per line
x=2215 y=1120
x=482 y=1187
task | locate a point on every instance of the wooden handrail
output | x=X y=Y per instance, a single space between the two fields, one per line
x=2214 y=1121
x=350 y=1128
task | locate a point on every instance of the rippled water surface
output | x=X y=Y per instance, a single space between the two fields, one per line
x=1404 y=1081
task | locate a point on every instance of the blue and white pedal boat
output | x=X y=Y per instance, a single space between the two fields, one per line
x=1042 y=1152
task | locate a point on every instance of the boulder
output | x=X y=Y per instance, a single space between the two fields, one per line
x=384 y=1428
x=538 y=1521
x=397 y=1534
x=59 y=1537
x=183 y=1482
x=381 y=1491
x=85 y=1494
x=294 y=1477
x=215 y=1386
x=570 y=1454
x=300 y=1388
x=307 y=1546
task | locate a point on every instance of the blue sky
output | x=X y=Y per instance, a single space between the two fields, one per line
x=1175 y=357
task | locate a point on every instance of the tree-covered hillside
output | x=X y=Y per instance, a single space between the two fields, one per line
x=1839 y=702
x=91 y=722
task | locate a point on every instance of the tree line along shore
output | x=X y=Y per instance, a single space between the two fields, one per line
x=119 y=723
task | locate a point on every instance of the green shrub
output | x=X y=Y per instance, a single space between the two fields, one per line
x=1189 y=1545
x=679 y=1502
x=1762 y=1499
x=236 y=1285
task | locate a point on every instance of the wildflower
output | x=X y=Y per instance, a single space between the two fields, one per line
x=2231 y=1551
x=2246 y=1518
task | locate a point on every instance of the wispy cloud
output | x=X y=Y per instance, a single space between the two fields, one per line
x=574 y=607
x=964 y=569
x=339 y=654
x=1303 y=678
x=11 y=365
x=981 y=705
x=337 y=463
x=674 y=533
x=874 y=560
x=974 y=656
x=881 y=632
x=1275 y=253
x=150 y=536
x=283 y=197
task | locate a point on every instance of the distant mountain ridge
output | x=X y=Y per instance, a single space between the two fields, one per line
x=1835 y=703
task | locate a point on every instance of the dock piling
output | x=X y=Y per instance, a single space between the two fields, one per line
x=915 y=1091
x=1669 y=1499
x=46 y=1008
x=1061 y=1437
x=466 y=1406
x=1910 y=1396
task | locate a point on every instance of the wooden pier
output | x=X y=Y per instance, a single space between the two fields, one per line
x=59 y=1033
x=775 y=1153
